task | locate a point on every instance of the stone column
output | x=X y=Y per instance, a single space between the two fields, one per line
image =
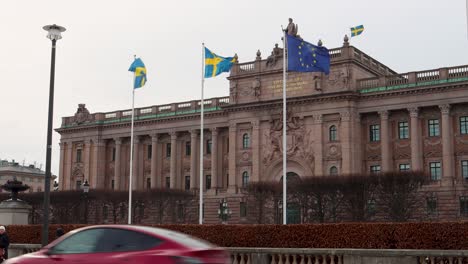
x=416 y=157
x=98 y=178
x=86 y=160
x=155 y=181
x=214 y=158
x=136 y=169
x=345 y=139
x=255 y=143
x=358 y=148
x=173 y=173
x=318 y=144
x=193 y=158
x=448 y=161
x=232 y=188
x=385 y=149
x=61 y=172
x=117 y=178
x=68 y=166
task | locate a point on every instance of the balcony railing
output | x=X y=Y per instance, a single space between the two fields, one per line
x=159 y=111
x=413 y=79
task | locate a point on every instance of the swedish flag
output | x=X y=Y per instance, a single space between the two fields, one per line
x=138 y=67
x=355 y=31
x=215 y=65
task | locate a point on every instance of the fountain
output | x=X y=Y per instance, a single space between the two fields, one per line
x=14 y=210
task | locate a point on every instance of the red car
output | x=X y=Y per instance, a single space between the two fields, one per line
x=112 y=244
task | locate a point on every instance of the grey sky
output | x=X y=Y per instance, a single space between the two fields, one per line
x=102 y=36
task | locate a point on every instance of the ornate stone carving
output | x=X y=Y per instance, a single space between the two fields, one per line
x=77 y=170
x=245 y=156
x=333 y=152
x=373 y=151
x=345 y=116
x=255 y=124
x=318 y=119
x=232 y=127
x=256 y=84
x=82 y=115
x=445 y=109
x=432 y=147
x=414 y=111
x=461 y=146
x=214 y=131
x=298 y=140
x=233 y=90
x=338 y=78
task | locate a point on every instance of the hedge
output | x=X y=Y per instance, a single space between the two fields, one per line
x=421 y=235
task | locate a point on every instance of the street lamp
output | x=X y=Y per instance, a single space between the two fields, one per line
x=54 y=34
x=224 y=212
x=85 y=193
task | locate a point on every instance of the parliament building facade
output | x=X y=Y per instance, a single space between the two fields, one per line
x=361 y=118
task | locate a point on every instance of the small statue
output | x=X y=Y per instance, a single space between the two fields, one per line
x=271 y=60
x=292 y=28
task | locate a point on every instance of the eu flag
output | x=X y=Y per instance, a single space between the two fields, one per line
x=306 y=57
x=215 y=65
x=138 y=67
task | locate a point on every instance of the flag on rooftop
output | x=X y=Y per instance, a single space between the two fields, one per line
x=306 y=57
x=138 y=67
x=215 y=65
x=356 y=31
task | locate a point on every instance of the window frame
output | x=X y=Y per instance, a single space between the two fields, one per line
x=332 y=133
x=464 y=169
x=374 y=133
x=245 y=179
x=79 y=155
x=188 y=148
x=168 y=150
x=463 y=122
x=407 y=167
x=403 y=130
x=373 y=169
x=208 y=182
x=245 y=141
x=433 y=127
x=435 y=167
x=209 y=145
x=334 y=172
x=149 y=154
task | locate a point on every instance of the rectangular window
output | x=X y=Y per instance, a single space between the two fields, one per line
x=148 y=183
x=168 y=150
x=150 y=152
x=375 y=169
x=208 y=146
x=464 y=125
x=188 y=148
x=431 y=204
x=403 y=131
x=78 y=155
x=243 y=209
x=187 y=183
x=168 y=182
x=374 y=133
x=434 y=127
x=464 y=205
x=208 y=182
x=435 y=171
x=464 y=169
x=112 y=184
x=113 y=154
x=404 y=167
x=227 y=145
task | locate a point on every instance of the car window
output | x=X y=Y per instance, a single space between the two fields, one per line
x=82 y=242
x=114 y=240
x=178 y=237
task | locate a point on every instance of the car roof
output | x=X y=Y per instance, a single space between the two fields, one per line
x=171 y=235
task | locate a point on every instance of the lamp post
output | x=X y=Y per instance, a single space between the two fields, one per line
x=224 y=212
x=85 y=194
x=54 y=34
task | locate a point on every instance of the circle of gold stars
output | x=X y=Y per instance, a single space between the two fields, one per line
x=306 y=47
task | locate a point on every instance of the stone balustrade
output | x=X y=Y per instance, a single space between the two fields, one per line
x=413 y=79
x=320 y=256
x=158 y=111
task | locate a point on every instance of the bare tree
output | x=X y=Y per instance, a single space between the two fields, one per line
x=399 y=194
x=359 y=194
x=260 y=195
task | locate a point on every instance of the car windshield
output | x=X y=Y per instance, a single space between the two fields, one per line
x=178 y=237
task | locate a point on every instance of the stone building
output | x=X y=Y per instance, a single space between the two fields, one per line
x=30 y=175
x=361 y=118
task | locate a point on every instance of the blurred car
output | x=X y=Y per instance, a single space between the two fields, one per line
x=108 y=244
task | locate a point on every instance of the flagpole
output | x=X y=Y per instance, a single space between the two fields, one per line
x=130 y=178
x=284 y=130
x=200 y=213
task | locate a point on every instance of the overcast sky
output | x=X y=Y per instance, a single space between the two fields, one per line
x=102 y=36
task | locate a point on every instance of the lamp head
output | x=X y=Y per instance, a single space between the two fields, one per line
x=86 y=187
x=54 y=31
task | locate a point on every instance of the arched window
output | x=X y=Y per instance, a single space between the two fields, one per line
x=245 y=141
x=245 y=179
x=332 y=133
x=333 y=170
